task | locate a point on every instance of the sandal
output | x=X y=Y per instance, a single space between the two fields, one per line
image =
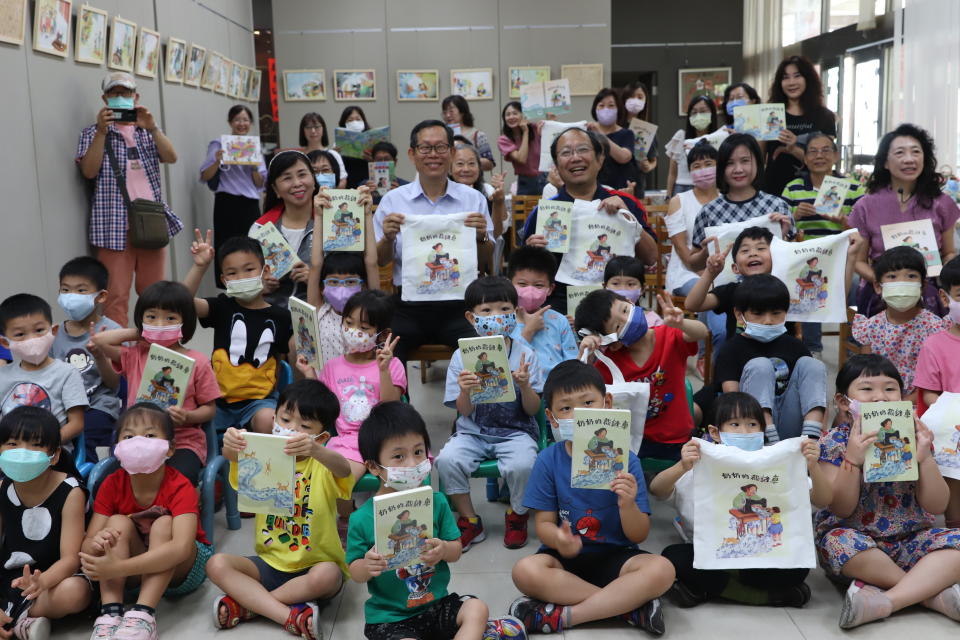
x=235 y=614
x=303 y=621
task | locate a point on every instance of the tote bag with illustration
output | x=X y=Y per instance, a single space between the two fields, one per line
x=632 y=396
x=595 y=237
x=814 y=272
x=439 y=257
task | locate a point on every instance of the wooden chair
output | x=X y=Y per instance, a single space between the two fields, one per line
x=522 y=207
x=849 y=346
x=427 y=353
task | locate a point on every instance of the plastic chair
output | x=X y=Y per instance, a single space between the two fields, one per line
x=653 y=466
x=84 y=466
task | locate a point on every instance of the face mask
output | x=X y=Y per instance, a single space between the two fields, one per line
x=32 y=350
x=744 y=441
x=700 y=121
x=279 y=430
x=358 y=341
x=854 y=406
x=354 y=125
x=245 y=289
x=954 y=312
x=77 y=306
x=120 y=102
x=901 y=295
x=630 y=294
x=733 y=104
x=606 y=117
x=326 y=180
x=635 y=105
x=636 y=327
x=499 y=324
x=531 y=298
x=163 y=336
x=142 y=455
x=764 y=332
x=704 y=178
x=564 y=429
x=23 y=465
x=337 y=297
x=402 y=478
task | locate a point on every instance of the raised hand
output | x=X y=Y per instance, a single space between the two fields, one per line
x=672 y=316
x=300 y=445
x=92 y=346
x=303 y=366
x=924 y=439
x=532 y=321
x=522 y=375
x=625 y=486
x=612 y=205
x=811 y=451
x=690 y=454
x=145 y=119
x=321 y=201
x=365 y=199
x=385 y=353
x=202 y=248
x=469 y=381
x=391 y=225
x=716 y=262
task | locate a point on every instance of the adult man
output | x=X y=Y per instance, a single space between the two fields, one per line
x=432 y=193
x=139 y=147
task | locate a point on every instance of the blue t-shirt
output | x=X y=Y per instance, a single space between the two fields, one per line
x=593 y=513
x=554 y=343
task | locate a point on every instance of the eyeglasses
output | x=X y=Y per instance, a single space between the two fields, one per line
x=582 y=151
x=426 y=149
x=313 y=127
x=346 y=282
x=826 y=151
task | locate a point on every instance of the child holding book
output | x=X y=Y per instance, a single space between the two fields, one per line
x=284 y=578
x=506 y=431
x=166 y=315
x=588 y=566
x=337 y=280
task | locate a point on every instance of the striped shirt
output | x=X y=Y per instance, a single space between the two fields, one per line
x=802 y=190
x=723 y=211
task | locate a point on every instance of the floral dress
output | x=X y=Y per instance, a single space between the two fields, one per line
x=888 y=517
x=899 y=343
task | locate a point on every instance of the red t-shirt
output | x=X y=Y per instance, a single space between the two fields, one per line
x=176 y=494
x=668 y=416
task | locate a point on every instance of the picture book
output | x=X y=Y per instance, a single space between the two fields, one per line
x=943 y=419
x=644 y=132
x=165 y=377
x=832 y=194
x=343 y=221
x=576 y=294
x=489 y=359
x=241 y=150
x=383 y=174
x=266 y=475
x=542 y=98
x=306 y=331
x=277 y=252
x=601 y=446
x=762 y=121
x=891 y=458
x=354 y=143
x=918 y=234
x=402 y=523
x=553 y=222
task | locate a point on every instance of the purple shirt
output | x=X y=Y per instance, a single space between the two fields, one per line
x=883 y=207
x=235 y=179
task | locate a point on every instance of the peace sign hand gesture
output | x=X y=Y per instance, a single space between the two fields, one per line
x=202 y=248
x=385 y=353
x=672 y=316
x=718 y=259
x=522 y=375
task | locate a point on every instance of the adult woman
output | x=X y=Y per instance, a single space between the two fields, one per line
x=737 y=95
x=905 y=186
x=325 y=168
x=797 y=85
x=354 y=119
x=313 y=136
x=701 y=124
x=519 y=142
x=466 y=170
x=456 y=113
x=618 y=166
x=237 y=201
x=638 y=112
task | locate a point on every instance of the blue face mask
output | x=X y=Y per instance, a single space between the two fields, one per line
x=744 y=441
x=23 y=465
x=765 y=332
x=77 y=306
x=120 y=102
x=326 y=180
x=500 y=324
x=636 y=327
x=733 y=104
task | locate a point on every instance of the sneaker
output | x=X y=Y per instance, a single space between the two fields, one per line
x=105 y=626
x=304 y=621
x=515 y=535
x=470 y=532
x=506 y=628
x=136 y=625
x=648 y=617
x=946 y=602
x=537 y=616
x=227 y=612
x=32 y=628
x=796 y=596
x=685 y=597
x=863 y=603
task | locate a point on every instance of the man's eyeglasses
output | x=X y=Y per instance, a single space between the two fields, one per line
x=567 y=152
x=426 y=149
x=346 y=282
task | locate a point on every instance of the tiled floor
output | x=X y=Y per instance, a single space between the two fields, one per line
x=485 y=572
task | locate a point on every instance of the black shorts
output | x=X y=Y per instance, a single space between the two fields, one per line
x=599 y=568
x=438 y=622
x=272 y=578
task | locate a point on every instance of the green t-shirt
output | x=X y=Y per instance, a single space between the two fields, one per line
x=401 y=594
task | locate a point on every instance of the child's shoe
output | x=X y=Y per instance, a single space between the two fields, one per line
x=32 y=628
x=471 y=531
x=946 y=602
x=304 y=621
x=105 y=626
x=537 y=616
x=136 y=625
x=227 y=612
x=863 y=603
x=648 y=617
x=506 y=628
x=515 y=535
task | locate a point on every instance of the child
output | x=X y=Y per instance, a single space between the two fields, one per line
x=506 y=431
x=588 y=566
x=165 y=314
x=83 y=288
x=624 y=275
x=40 y=563
x=340 y=275
x=531 y=270
x=145 y=525
x=38 y=380
x=897 y=333
x=282 y=576
x=882 y=535
x=250 y=336
x=771 y=365
x=657 y=356
x=741 y=423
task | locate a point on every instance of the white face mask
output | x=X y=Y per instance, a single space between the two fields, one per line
x=245 y=289
x=564 y=429
x=954 y=311
x=634 y=105
x=358 y=340
x=402 y=478
x=280 y=430
x=901 y=295
x=354 y=125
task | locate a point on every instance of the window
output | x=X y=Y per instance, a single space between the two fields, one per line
x=800 y=20
x=831 y=86
x=846 y=12
x=866 y=116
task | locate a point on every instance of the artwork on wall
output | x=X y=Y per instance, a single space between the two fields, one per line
x=196 y=56
x=148 y=53
x=236 y=75
x=51 y=27
x=585 y=79
x=244 y=83
x=211 y=70
x=223 y=78
x=13 y=20
x=304 y=85
x=123 y=44
x=418 y=85
x=709 y=82
x=253 y=90
x=472 y=84
x=175 y=63
x=354 y=84
x=520 y=76
x=91 y=44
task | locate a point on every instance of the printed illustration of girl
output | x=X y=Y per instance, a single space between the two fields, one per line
x=776 y=527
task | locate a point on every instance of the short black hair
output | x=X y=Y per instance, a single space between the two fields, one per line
x=375 y=306
x=89 y=268
x=31 y=424
x=428 y=124
x=594 y=310
x=531 y=258
x=761 y=293
x=169 y=296
x=571 y=375
x=240 y=244
x=313 y=401
x=703 y=150
x=595 y=142
x=236 y=109
x=950 y=275
x=316 y=154
x=148 y=412
x=624 y=266
x=384 y=145
x=751 y=233
x=348 y=111
x=737 y=404
x=727 y=147
x=489 y=289
x=342 y=262
x=389 y=420
x=898 y=258
x=607 y=92
x=866 y=364
x=24 y=304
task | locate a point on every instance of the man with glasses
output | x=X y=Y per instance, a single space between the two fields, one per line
x=432 y=193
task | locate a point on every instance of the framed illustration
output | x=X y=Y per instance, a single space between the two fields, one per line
x=354 y=84
x=253 y=89
x=304 y=85
x=711 y=82
x=585 y=79
x=211 y=71
x=418 y=85
x=244 y=82
x=472 y=84
x=175 y=63
x=236 y=75
x=196 y=56
x=13 y=21
x=91 y=46
x=520 y=76
x=223 y=78
x=123 y=44
x=148 y=53
x=51 y=27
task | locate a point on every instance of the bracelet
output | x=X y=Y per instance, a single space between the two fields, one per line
x=851 y=463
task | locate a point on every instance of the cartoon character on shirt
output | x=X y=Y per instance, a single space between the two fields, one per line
x=83 y=362
x=659 y=401
x=358 y=404
x=589 y=527
x=244 y=363
x=417 y=578
x=27 y=394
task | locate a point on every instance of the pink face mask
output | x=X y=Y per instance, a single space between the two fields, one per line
x=32 y=350
x=531 y=298
x=141 y=455
x=163 y=336
x=704 y=178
